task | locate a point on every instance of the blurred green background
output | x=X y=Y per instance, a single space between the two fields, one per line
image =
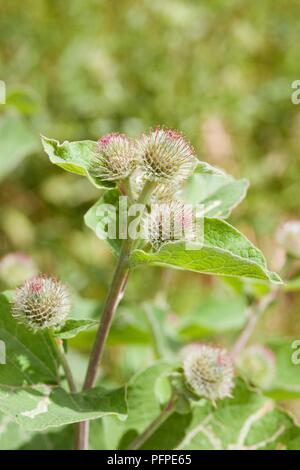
x=221 y=72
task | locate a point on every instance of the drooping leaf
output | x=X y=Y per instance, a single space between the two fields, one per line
x=17 y=141
x=224 y=251
x=74 y=157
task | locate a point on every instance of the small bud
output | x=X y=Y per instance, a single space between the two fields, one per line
x=15 y=268
x=42 y=302
x=258 y=364
x=289 y=237
x=166 y=155
x=168 y=222
x=208 y=371
x=114 y=159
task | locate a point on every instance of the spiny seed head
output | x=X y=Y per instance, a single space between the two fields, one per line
x=258 y=363
x=115 y=157
x=165 y=155
x=169 y=222
x=289 y=237
x=15 y=268
x=42 y=302
x=208 y=371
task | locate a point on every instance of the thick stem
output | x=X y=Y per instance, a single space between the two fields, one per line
x=82 y=431
x=114 y=296
x=254 y=313
x=112 y=301
x=142 y=438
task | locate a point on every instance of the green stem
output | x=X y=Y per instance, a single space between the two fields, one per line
x=138 y=442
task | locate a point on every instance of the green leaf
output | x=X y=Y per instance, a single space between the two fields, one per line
x=72 y=327
x=105 y=433
x=30 y=357
x=219 y=192
x=30 y=361
x=97 y=221
x=249 y=421
x=225 y=251
x=41 y=407
x=286 y=384
x=12 y=436
x=56 y=439
x=246 y=421
x=73 y=157
x=17 y=141
x=214 y=316
x=143 y=405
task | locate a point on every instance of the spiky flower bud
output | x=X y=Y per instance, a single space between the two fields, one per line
x=258 y=364
x=115 y=158
x=208 y=371
x=15 y=268
x=168 y=222
x=165 y=155
x=289 y=237
x=42 y=302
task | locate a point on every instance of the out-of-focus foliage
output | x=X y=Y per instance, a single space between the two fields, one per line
x=221 y=72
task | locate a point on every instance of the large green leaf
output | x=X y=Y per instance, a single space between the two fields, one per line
x=30 y=357
x=41 y=407
x=17 y=141
x=219 y=192
x=73 y=157
x=225 y=251
x=246 y=421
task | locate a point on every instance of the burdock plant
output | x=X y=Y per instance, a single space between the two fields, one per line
x=163 y=180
